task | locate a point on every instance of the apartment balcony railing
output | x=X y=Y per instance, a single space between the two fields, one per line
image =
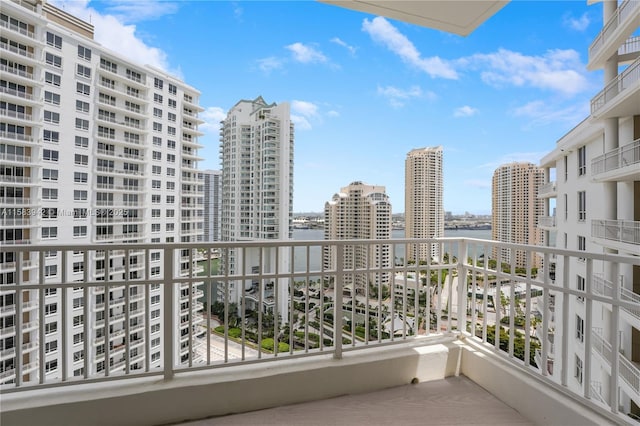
x=452 y=297
x=629 y=373
x=16 y=136
x=624 y=80
x=16 y=71
x=621 y=157
x=17 y=93
x=624 y=231
x=547 y=221
x=15 y=114
x=547 y=189
x=17 y=28
x=624 y=10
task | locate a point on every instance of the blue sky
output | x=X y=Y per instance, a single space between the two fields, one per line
x=365 y=90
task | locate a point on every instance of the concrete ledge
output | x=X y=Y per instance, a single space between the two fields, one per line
x=207 y=393
x=539 y=402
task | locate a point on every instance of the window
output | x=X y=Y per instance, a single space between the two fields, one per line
x=49 y=174
x=83 y=71
x=82 y=106
x=51 y=365
x=49 y=213
x=171 y=144
x=155 y=342
x=579 y=328
x=155 y=227
x=83 y=89
x=54 y=40
x=171 y=186
x=582 y=206
x=78 y=356
x=173 y=89
x=108 y=65
x=79 y=231
x=51 y=136
x=157 y=127
x=158 y=83
x=84 y=53
x=51 y=346
x=156 y=170
x=171 y=199
x=582 y=243
x=170 y=227
x=155 y=212
x=157 y=141
x=51 y=98
x=155 y=356
x=578 y=372
x=79 y=213
x=155 y=328
x=171 y=116
x=80 y=195
x=170 y=213
x=157 y=98
x=582 y=161
x=50 y=309
x=155 y=256
x=155 y=199
x=157 y=155
x=52 y=78
x=171 y=158
x=157 y=112
x=171 y=171
x=78 y=338
x=82 y=124
x=80 y=177
x=155 y=184
x=580 y=285
x=171 y=130
x=172 y=103
x=49 y=232
x=50 y=327
x=52 y=117
x=54 y=60
x=81 y=160
x=49 y=193
x=49 y=155
x=50 y=270
x=82 y=142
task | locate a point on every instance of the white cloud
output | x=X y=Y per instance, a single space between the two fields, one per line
x=557 y=70
x=112 y=31
x=333 y=113
x=339 y=42
x=478 y=183
x=542 y=113
x=577 y=24
x=381 y=31
x=301 y=122
x=397 y=97
x=212 y=117
x=304 y=108
x=306 y=54
x=269 y=64
x=465 y=111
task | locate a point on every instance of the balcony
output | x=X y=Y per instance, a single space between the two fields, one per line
x=623 y=22
x=547 y=222
x=439 y=327
x=617 y=98
x=547 y=190
x=620 y=164
x=623 y=234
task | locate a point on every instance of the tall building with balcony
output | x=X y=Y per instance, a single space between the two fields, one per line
x=515 y=209
x=424 y=211
x=596 y=198
x=256 y=151
x=359 y=211
x=212 y=180
x=95 y=149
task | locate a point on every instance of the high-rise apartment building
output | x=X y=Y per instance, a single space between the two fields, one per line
x=424 y=211
x=212 y=180
x=359 y=211
x=596 y=199
x=256 y=149
x=94 y=148
x=515 y=209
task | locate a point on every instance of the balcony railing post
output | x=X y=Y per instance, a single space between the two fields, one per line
x=614 y=337
x=168 y=312
x=337 y=303
x=462 y=284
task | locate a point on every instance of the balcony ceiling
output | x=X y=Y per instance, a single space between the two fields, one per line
x=458 y=17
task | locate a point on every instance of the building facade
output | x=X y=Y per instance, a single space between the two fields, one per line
x=515 y=209
x=596 y=200
x=256 y=149
x=359 y=211
x=94 y=148
x=212 y=180
x=424 y=211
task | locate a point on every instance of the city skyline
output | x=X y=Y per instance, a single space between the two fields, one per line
x=491 y=98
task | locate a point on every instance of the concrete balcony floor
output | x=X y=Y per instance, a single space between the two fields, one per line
x=450 y=401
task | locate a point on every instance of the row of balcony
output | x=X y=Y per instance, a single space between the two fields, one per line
x=624 y=17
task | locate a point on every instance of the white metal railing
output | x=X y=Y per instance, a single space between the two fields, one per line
x=624 y=10
x=624 y=231
x=631 y=45
x=624 y=80
x=547 y=189
x=624 y=156
x=276 y=300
